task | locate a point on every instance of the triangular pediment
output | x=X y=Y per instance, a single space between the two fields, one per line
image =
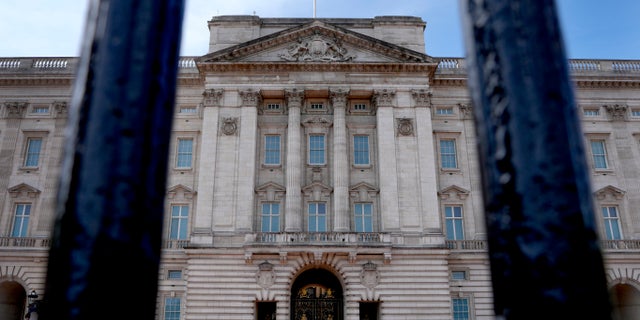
x=610 y=192
x=317 y=42
x=180 y=191
x=23 y=190
x=270 y=186
x=453 y=192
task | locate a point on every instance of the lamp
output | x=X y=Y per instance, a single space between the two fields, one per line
x=32 y=296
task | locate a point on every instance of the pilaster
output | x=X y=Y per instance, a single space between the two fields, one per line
x=247 y=151
x=384 y=101
x=293 y=199
x=340 y=160
x=203 y=222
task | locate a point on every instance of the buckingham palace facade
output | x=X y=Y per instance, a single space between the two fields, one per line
x=319 y=169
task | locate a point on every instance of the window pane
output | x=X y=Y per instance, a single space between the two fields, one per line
x=179 y=222
x=363 y=218
x=272 y=149
x=361 y=150
x=460 y=308
x=453 y=222
x=316 y=149
x=21 y=220
x=448 y=154
x=599 y=154
x=33 y=152
x=611 y=223
x=172 y=309
x=317 y=217
x=270 y=217
x=185 y=152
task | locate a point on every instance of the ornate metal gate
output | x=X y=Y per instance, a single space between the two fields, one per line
x=316 y=302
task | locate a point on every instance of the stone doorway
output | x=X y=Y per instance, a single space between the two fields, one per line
x=12 y=300
x=316 y=295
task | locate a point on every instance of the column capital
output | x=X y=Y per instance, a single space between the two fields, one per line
x=15 y=109
x=616 y=111
x=422 y=97
x=339 y=96
x=212 y=97
x=250 y=97
x=383 y=97
x=294 y=97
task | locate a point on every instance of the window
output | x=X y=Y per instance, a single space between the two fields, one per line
x=460 y=308
x=361 y=150
x=591 y=112
x=446 y=111
x=270 y=217
x=453 y=221
x=635 y=113
x=363 y=217
x=317 y=217
x=273 y=106
x=272 y=150
x=611 y=223
x=40 y=109
x=316 y=106
x=359 y=107
x=458 y=275
x=185 y=153
x=188 y=110
x=179 y=222
x=316 y=149
x=32 y=157
x=171 y=308
x=21 y=220
x=174 y=275
x=599 y=153
x=448 y=154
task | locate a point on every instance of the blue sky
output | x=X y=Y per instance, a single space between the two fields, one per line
x=592 y=29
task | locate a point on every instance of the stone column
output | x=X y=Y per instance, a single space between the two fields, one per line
x=203 y=217
x=293 y=199
x=431 y=219
x=340 y=160
x=383 y=100
x=247 y=153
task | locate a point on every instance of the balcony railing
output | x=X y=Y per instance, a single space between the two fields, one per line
x=576 y=66
x=480 y=245
x=323 y=238
x=24 y=242
x=175 y=244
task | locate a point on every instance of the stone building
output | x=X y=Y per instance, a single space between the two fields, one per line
x=319 y=169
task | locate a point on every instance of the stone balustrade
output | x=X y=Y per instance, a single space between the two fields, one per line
x=319 y=238
x=64 y=64
x=25 y=242
x=576 y=66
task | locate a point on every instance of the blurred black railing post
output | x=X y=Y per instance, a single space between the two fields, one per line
x=543 y=247
x=106 y=243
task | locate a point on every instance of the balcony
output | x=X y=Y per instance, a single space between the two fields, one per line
x=319 y=238
x=25 y=242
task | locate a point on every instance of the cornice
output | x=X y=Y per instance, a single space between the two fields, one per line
x=40 y=81
x=428 y=68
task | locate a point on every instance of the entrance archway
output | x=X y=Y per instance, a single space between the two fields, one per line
x=12 y=300
x=316 y=295
x=626 y=302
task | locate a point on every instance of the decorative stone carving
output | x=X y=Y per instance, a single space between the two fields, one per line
x=617 y=111
x=294 y=97
x=317 y=122
x=422 y=97
x=383 y=98
x=316 y=49
x=610 y=192
x=250 y=98
x=466 y=110
x=60 y=108
x=369 y=276
x=339 y=97
x=23 y=190
x=265 y=277
x=405 y=127
x=212 y=97
x=15 y=109
x=453 y=192
x=229 y=126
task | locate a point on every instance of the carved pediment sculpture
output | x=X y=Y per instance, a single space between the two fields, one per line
x=316 y=49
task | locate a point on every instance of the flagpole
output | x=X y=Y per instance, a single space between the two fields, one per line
x=314 y=9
